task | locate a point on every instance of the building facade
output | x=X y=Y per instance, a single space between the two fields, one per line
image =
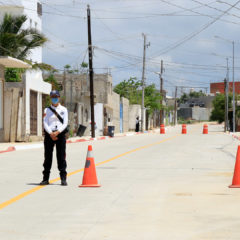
x=109 y=108
x=33 y=87
x=219 y=87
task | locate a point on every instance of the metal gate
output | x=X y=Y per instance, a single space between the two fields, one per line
x=33 y=112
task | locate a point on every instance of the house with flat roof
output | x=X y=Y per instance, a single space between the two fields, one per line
x=31 y=93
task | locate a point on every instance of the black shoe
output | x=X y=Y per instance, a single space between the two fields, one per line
x=44 y=182
x=64 y=182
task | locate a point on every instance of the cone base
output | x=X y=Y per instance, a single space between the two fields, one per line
x=92 y=185
x=234 y=186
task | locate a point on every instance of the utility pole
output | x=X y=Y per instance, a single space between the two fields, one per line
x=71 y=103
x=175 y=108
x=161 y=93
x=225 y=93
x=234 y=121
x=143 y=81
x=90 y=57
x=64 y=86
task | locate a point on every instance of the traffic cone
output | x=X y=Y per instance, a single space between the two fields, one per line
x=205 y=129
x=236 y=176
x=184 y=129
x=90 y=176
x=162 y=129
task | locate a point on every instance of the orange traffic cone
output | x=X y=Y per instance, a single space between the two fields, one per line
x=205 y=129
x=162 y=129
x=236 y=176
x=184 y=129
x=90 y=176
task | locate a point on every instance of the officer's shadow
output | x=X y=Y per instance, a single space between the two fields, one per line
x=38 y=184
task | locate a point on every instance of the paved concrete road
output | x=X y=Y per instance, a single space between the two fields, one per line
x=169 y=187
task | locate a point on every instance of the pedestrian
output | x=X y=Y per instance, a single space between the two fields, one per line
x=55 y=125
x=137 y=124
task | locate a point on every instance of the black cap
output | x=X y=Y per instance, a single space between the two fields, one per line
x=54 y=93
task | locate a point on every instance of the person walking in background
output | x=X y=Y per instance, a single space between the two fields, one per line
x=55 y=126
x=137 y=124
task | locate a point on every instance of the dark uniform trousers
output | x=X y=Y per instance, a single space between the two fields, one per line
x=61 y=155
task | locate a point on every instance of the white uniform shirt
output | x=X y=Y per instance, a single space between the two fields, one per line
x=51 y=121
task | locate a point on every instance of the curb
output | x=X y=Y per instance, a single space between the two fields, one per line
x=37 y=146
x=235 y=136
x=10 y=149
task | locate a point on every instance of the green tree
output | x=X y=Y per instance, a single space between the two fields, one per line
x=84 y=65
x=218 y=112
x=18 y=42
x=152 y=98
x=197 y=94
x=52 y=80
x=130 y=90
x=14 y=74
x=184 y=98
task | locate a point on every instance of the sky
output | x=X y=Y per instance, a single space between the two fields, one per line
x=192 y=37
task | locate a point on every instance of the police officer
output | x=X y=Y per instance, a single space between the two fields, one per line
x=55 y=125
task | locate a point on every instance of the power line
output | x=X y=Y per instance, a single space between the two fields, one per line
x=214 y=8
x=192 y=35
x=199 y=13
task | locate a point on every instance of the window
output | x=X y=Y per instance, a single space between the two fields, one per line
x=86 y=115
x=39 y=9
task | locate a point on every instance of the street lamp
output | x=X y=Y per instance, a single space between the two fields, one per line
x=233 y=80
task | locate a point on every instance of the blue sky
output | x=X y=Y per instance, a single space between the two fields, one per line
x=117 y=27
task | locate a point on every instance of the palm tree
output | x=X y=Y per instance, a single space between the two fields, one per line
x=16 y=41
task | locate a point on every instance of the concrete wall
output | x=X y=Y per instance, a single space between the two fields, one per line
x=185 y=113
x=98 y=110
x=1 y=96
x=125 y=103
x=116 y=112
x=1 y=102
x=134 y=112
x=201 y=114
x=77 y=87
x=195 y=113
